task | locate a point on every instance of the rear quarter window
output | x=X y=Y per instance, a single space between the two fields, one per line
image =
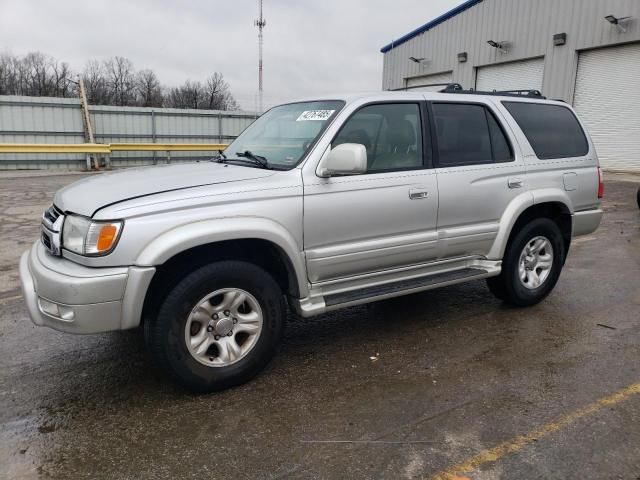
x=552 y=130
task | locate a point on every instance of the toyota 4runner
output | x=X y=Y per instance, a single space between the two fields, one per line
x=321 y=205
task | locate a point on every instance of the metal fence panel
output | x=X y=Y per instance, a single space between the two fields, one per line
x=59 y=120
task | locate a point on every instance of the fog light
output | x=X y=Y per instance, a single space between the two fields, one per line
x=61 y=312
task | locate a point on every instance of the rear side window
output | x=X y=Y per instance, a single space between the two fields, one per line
x=552 y=130
x=468 y=134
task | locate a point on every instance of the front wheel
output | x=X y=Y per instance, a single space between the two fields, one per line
x=531 y=265
x=219 y=326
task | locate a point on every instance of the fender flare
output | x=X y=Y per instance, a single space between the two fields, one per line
x=517 y=206
x=185 y=237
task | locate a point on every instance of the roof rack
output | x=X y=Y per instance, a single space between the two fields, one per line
x=457 y=88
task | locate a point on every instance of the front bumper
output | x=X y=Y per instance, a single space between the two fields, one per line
x=586 y=222
x=69 y=297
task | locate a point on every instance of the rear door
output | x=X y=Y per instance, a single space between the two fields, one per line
x=480 y=171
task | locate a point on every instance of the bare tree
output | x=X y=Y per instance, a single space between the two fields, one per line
x=149 y=90
x=95 y=82
x=218 y=94
x=21 y=77
x=6 y=74
x=120 y=81
x=216 y=87
x=188 y=95
x=111 y=82
x=61 y=84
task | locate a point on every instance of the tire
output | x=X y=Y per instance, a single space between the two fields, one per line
x=638 y=197
x=537 y=283
x=187 y=306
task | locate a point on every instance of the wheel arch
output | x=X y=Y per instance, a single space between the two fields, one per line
x=555 y=207
x=181 y=250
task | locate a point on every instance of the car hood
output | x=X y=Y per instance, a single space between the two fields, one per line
x=89 y=195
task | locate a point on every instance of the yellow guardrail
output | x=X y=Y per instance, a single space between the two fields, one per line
x=54 y=148
x=105 y=149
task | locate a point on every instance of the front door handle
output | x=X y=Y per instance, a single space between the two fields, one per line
x=417 y=194
x=515 y=182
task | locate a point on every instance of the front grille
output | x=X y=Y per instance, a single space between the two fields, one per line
x=51 y=230
x=46 y=241
x=52 y=214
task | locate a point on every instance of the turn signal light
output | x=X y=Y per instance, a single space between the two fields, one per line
x=106 y=237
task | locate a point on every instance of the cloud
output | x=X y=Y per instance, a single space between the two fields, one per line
x=311 y=47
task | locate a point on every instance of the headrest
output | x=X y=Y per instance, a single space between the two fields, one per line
x=402 y=134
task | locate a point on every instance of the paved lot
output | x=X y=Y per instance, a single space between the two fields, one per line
x=462 y=385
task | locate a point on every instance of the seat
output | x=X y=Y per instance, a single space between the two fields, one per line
x=402 y=149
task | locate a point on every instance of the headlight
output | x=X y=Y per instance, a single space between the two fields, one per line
x=92 y=238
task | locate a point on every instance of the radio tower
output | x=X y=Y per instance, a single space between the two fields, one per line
x=260 y=23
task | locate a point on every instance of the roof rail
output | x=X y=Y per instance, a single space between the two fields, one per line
x=457 y=88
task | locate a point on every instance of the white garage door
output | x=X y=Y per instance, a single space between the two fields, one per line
x=607 y=98
x=522 y=75
x=418 y=83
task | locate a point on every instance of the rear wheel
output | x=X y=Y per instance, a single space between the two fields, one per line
x=531 y=265
x=219 y=326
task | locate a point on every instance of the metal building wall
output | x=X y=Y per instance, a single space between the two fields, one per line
x=529 y=26
x=59 y=120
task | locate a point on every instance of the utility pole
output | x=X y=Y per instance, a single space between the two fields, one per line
x=260 y=23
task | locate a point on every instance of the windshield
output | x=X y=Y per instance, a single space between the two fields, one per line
x=284 y=134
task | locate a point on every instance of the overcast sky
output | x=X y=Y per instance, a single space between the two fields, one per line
x=310 y=47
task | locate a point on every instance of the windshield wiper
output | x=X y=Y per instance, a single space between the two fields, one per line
x=247 y=157
x=258 y=159
x=221 y=153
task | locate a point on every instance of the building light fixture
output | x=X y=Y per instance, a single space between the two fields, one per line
x=462 y=57
x=559 y=39
x=617 y=21
x=500 y=46
x=420 y=61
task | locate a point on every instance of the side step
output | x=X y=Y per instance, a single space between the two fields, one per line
x=393 y=289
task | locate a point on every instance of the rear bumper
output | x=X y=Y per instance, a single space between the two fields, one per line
x=65 y=296
x=586 y=222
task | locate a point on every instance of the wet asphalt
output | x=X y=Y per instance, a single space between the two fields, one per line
x=403 y=388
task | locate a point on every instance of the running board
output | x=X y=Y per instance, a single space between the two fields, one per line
x=396 y=288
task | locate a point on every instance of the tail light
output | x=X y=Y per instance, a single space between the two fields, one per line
x=600 y=184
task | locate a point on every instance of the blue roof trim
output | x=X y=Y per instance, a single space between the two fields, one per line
x=428 y=26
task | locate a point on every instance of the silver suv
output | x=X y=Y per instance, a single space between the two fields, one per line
x=317 y=205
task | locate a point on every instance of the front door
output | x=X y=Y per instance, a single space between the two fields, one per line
x=385 y=218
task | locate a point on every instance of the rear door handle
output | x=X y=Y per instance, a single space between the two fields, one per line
x=417 y=194
x=515 y=182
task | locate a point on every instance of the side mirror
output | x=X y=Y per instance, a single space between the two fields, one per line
x=345 y=159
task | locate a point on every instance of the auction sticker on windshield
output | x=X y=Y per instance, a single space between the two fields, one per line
x=314 y=115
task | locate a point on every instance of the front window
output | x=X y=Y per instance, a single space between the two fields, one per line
x=391 y=133
x=284 y=134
